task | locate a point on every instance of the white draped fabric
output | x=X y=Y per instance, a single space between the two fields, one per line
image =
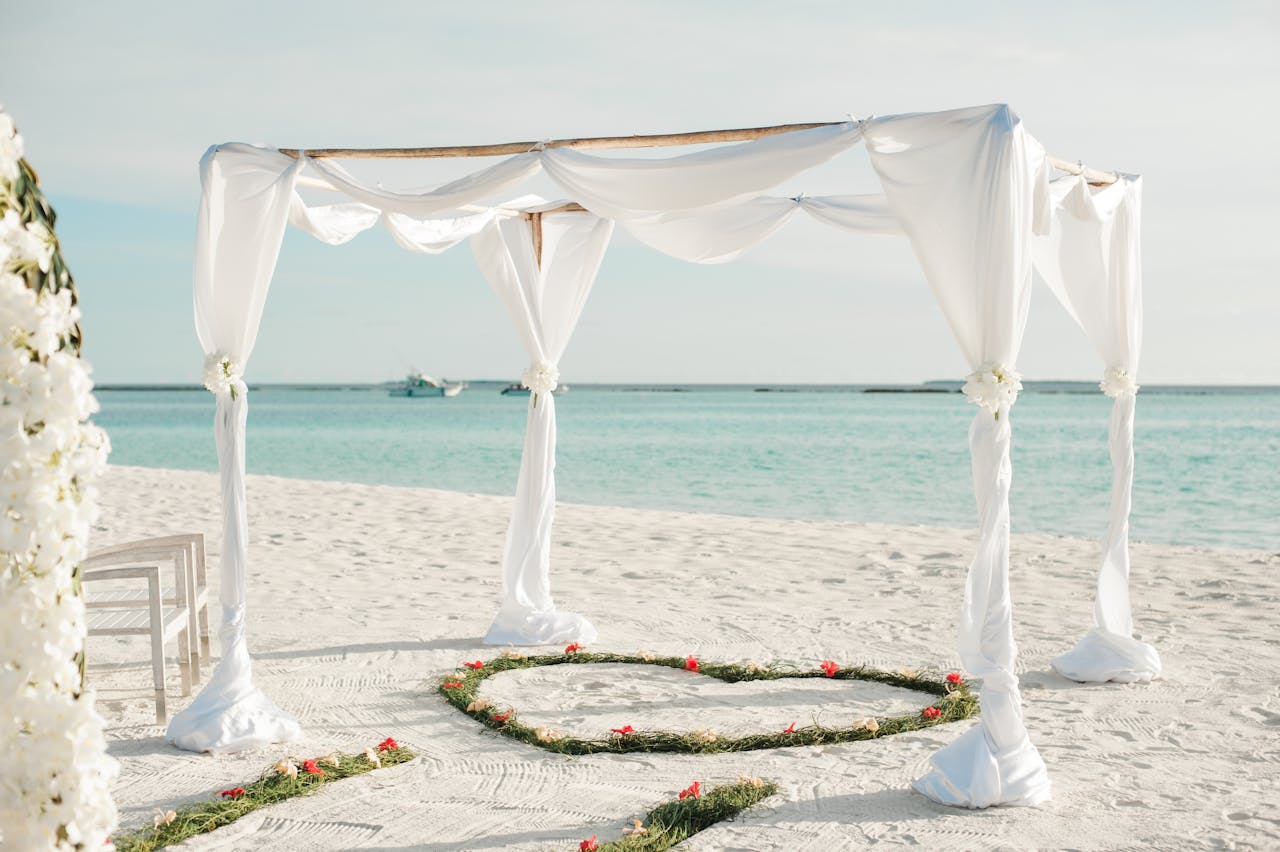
x=966 y=186
x=246 y=196
x=1091 y=261
x=644 y=189
x=725 y=233
x=544 y=301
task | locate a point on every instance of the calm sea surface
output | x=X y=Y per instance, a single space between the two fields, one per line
x=1208 y=460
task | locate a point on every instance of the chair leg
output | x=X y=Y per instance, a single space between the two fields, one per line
x=157 y=646
x=193 y=624
x=202 y=581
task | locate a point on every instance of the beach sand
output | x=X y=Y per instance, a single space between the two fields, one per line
x=361 y=596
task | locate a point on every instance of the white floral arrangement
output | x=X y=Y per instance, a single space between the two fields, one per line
x=1116 y=381
x=541 y=378
x=994 y=388
x=223 y=375
x=55 y=774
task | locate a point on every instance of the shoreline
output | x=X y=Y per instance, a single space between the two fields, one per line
x=507 y=498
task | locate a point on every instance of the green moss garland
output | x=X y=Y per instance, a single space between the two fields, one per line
x=677 y=820
x=954 y=702
x=271 y=788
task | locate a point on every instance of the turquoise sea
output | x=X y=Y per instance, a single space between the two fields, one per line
x=1208 y=459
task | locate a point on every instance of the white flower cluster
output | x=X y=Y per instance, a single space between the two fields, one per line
x=54 y=782
x=1116 y=381
x=222 y=374
x=994 y=387
x=541 y=378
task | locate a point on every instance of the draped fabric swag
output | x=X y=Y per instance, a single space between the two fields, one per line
x=969 y=188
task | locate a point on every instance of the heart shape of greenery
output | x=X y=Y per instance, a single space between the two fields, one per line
x=952 y=702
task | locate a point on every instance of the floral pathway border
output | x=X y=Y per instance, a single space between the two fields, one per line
x=953 y=703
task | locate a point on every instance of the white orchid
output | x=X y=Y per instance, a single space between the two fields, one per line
x=222 y=375
x=541 y=378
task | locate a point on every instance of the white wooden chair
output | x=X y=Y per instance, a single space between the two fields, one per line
x=188 y=555
x=155 y=620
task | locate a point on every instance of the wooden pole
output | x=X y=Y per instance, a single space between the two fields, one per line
x=535 y=222
x=654 y=140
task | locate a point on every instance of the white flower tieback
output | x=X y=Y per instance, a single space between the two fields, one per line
x=993 y=387
x=1116 y=381
x=222 y=375
x=541 y=378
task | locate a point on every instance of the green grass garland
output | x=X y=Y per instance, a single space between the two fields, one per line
x=954 y=702
x=271 y=788
x=677 y=820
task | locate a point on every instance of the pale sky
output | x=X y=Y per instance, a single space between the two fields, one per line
x=118 y=101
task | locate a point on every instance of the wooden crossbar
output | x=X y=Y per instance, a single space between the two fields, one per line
x=653 y=140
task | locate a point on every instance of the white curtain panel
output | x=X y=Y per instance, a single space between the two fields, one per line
x=544 y=303
x=246 y=196
x=1091 y=261
x=967 y=186
x=634 y=189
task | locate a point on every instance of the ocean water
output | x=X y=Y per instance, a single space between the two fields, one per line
x=1208 y=460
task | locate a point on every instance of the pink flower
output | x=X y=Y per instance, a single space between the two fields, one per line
x=624 y=730
x=388 y=744
x=693 y=791
x=691 y=663
x=791 y=729
x=830 y=668
x=312 y=768
x=931 y=712
x=588 y=845
x=476 y=666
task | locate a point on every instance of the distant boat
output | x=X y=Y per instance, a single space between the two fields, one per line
x=518 y=389
x=419 y=384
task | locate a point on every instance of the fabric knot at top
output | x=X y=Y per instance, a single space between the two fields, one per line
x=541 y=378
x=993 y=387
x=222 y=375
x=1116 y=381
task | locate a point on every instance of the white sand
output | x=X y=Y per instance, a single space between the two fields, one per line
x=360 y=596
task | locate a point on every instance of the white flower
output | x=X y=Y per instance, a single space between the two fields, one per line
x=26 y=246
x=541 y=378
x=994 y=387
x=1116 y=381
x=11 y=149
x=222 y=375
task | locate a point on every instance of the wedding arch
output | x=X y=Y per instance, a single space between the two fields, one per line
x=971 y=189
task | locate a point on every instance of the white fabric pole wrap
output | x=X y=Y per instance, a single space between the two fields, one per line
x=968 y=187
x=246 y=195
x=1091 y=261
x=544 y=303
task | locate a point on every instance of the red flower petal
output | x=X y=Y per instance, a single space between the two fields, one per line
x=588 y=845
x=388 y=744
x=572 y=648
x=931 y=712
x=830 y=668
x=311 y=767
x=691 y=663
x=474 y=666
x=624 y=730
x=693 y=791
x=452 y=684
x=954 y=679
x=791 y=729
x=501 y=717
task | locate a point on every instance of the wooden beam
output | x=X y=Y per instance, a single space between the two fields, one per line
x=654 y=140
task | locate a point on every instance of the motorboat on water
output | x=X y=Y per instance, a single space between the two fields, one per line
x=518 y=389
x=419 y=384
